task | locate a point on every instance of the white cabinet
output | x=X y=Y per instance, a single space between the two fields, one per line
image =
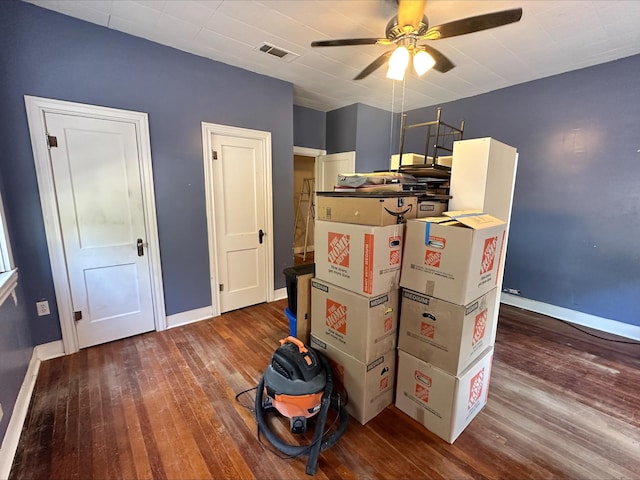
x=483 y=177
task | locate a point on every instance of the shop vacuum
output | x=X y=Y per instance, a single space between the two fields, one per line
x=298 y=383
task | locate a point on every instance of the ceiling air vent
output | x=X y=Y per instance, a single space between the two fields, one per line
x=278 y=52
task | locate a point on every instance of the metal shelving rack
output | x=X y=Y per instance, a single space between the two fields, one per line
x=439 y=138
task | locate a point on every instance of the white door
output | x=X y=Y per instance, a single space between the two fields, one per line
x=240 y=220
x=98 y=190
x=328 y=167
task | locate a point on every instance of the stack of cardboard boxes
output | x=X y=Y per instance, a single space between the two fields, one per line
x=355 y=295
x=446 y=333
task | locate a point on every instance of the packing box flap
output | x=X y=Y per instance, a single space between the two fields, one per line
x=474 y=219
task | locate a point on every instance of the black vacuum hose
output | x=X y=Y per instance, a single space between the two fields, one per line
x=318 y=445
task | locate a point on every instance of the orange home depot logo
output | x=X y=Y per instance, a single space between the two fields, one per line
x=475 y=388
x=384 y=382
x=338 y=249
x=432 y=258
x=336 y=316
x=488 y=254
x=427 y=330
x=388 y=324
x=422 y=393
x=395 y=255
x=479 y=327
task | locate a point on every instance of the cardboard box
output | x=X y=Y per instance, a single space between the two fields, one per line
x=360 y=258
x=455 y=257
x=369 y=387
x=374 y=209
x=430 y=208
x=444 y=334
x=363 y=327
x=445 y=404
x=303 y=310
x=407 y=159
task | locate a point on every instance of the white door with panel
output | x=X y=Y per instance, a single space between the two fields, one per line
x=328 y=167
x=98 y=191
x=240 y=220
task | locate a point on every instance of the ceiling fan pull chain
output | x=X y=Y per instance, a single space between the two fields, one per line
x=393 y=97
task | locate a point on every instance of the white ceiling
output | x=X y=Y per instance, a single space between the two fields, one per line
x=552 y=37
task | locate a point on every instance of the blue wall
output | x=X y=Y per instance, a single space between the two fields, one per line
x=47 y=54
x=365 y=130
x=309 y=128
x=375 y=139
x=576 y=215
x=342 y=126
x=16 y=348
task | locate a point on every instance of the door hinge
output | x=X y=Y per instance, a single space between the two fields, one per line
x=52 y=141
x=214 y=154
x=221 y=287
x=77 y=316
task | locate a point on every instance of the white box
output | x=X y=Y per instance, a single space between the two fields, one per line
x=443 y=403
x=455 y=257
x=407 y=159
x=483 y=178
x=363 y=327
x=370 y=387
x=448 y=336
x=361 y=258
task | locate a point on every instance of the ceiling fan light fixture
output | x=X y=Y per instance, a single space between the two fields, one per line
x=422 y=62
x=398 y=63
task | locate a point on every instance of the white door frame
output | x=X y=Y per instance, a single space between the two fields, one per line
x=209 y=129
x=308 y=152
x=36 y=109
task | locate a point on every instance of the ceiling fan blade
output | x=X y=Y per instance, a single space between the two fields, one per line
x=443 y=64
x=410 y=12
x=346 y=41
x=373 y=66
x=473 y=24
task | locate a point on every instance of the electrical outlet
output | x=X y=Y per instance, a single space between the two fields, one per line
x=43 y=308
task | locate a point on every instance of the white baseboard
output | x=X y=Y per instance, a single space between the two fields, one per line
x=579 y=318
x=279 y=294
x=50 y=350
x=191 y=316
x=40 y=353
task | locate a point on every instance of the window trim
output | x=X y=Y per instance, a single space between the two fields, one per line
x=8 y=284
x=8 y=272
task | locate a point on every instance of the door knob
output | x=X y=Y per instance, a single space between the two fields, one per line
x=261 y=234
x=140 y=246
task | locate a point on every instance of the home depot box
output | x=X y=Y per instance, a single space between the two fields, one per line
x=360 y=258
x=454 y=257
x=369 y=386
x=447 y=335
x=431 y=208
x=445 y=404
x=366 y=209
x=363 y=327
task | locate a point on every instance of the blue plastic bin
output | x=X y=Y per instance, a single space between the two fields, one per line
x=293 y=322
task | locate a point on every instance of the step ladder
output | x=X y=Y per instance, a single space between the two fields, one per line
x=306 y=194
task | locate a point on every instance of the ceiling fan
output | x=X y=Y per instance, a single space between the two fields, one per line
x=409 y=27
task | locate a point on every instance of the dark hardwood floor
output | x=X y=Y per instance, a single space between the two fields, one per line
x=562 y=405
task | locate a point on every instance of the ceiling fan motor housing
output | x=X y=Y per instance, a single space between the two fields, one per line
x=395 y=31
